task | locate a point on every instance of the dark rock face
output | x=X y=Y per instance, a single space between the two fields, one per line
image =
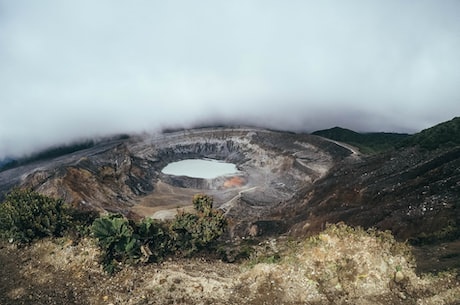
x=415 y=194
x=411 y=193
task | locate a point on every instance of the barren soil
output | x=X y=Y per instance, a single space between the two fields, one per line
x=339 y=266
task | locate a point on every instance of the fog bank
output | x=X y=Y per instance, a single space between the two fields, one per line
x=79 y=69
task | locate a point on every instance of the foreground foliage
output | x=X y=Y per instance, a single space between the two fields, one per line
x=116 y=239
x=194 y=232
x=26 y=215
x=151 y=241
x=341 y=265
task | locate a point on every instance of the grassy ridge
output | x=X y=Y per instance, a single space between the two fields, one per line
x=443 y=135
x=368 y=143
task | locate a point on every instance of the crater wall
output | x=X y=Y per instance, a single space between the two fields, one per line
x=125 y=175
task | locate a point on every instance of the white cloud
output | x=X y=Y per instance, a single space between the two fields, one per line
x=73 y=69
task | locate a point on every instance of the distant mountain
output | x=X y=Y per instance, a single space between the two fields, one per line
x=443 y=135
x=5 y=162
x=49 y=153
x=55 y=151
x=368 y=143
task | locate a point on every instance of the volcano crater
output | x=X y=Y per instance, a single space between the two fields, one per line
x=125 y=175
x=273 y=168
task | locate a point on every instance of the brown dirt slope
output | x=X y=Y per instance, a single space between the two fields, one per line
x=339 y=266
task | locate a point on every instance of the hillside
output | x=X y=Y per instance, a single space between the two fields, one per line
x=5 y=162
x=290 y=188
x=55 y=152
x=368 y=143
x=339 y=266
x=443 y=135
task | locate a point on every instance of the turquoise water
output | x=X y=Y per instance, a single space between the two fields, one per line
x=200 y=168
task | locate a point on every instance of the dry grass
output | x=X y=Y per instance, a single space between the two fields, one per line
x=341 y=265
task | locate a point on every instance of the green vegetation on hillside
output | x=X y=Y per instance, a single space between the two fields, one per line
x=443 y=135
x=26 y=216
x=151 y=241
x=368 y=143
x=49 y=153
x=53 y=152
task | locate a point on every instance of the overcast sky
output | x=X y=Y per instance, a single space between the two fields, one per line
x=77 y=69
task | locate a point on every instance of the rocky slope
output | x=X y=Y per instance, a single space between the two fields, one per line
x=414 y=191
x=339 y=266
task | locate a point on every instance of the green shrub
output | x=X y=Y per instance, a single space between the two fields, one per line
x=116 y=238
x=202 y=203
x=152 y=241
x=154 y=238
x=81 y=221
x=185 y=230
x=194 y=232
x=26 y=215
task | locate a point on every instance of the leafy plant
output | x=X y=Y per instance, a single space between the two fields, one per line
x=202 y=203
x=26 y=215
x=193 y=232
x=151 y=241
x=154 y=239
x=116 y=238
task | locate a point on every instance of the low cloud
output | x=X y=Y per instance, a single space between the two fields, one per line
x=81 y=69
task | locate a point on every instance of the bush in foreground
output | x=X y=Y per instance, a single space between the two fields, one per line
x=196 y=231
x=26 y=215
x=151 y=241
